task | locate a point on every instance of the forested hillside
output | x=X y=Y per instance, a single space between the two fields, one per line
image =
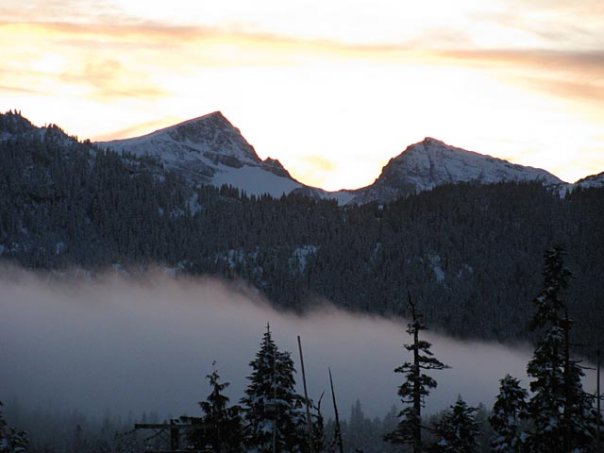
x=470 y=253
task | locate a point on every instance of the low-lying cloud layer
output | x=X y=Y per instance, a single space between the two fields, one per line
x=130 y=344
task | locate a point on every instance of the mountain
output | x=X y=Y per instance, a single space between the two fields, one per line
x=593 y=181
x=12 y=123
x=470 y=252
x=210 y=150
x=432 y=163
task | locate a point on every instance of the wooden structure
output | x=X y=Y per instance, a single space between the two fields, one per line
x=171 y=434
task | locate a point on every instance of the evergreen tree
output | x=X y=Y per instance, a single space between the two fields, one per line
x=457 y=431
x=221 y=424
x=273 y=411
x=508 y=413
x=562 y=413
x=417 y=385
x=11 y=440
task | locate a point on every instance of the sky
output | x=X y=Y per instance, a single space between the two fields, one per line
x=333 y=89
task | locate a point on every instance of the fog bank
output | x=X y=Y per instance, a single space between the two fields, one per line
x=122 y=344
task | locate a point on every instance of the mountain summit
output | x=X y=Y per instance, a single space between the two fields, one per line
x=432 y=163
x=211 y=135
x=210 y=150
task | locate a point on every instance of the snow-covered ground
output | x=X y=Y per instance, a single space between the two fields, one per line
x=254 y=180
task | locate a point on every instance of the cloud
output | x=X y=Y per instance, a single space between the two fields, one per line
x=75 y=60
x=486 y=73
x=109 y=79
x=428 y=24
x=547 y=59
x=19 y=89
x=567 y=74
x=144 y=342
x=53 y=10
x=138 y=129
x=554 y=25
x=591 y=92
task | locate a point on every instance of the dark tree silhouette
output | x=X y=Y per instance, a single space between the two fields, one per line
x=457 y=431
x=561 y=411
x=417 y=384
x=222 y=429
x=509 y=412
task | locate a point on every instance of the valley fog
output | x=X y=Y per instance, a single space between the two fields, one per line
x=117 y=344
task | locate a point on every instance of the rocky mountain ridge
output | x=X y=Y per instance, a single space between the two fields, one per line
x=212 y=151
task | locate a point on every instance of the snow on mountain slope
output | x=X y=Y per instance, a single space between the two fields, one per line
x=342 y=197
x=431 y=163
x=210 y=150
x=254 y=180
x=593 y=181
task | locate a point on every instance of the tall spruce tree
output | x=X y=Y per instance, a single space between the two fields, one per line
x=417 y=384
x=222 y=428
x=273 y=411
x=457 y=431
x=561 y=411
x=509 y=412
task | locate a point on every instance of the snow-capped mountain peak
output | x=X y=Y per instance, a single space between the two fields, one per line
x=215 y=134
x=431 y=163
x=211 y=136
x=210 y=150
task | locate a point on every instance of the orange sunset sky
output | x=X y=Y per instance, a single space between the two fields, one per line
x=331 y=88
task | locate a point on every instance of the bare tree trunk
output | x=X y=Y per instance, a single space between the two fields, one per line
x=311 y=445
x=338 y=432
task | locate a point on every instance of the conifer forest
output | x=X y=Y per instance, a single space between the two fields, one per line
x=508 y=263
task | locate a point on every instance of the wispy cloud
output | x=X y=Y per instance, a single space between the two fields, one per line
x=18 y=89
x=467 y=72
x=138 y=129
x=427 y=24
x=546 y=59
x=577 y=75
x=101 y=63
x=107 y=79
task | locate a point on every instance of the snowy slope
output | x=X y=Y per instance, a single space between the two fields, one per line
x=594 y=181
x=342 y=197
x=254 y=180
x=210 y=150
x=431 y=163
